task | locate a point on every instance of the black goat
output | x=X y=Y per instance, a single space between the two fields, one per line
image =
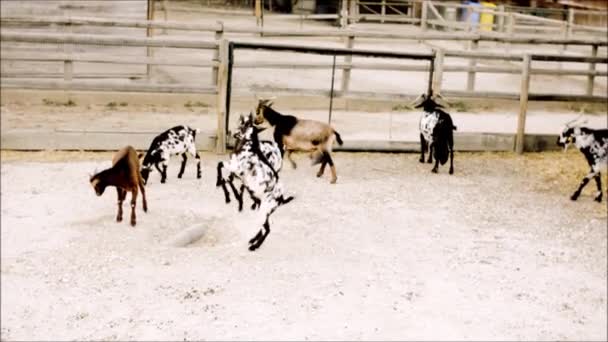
x=436 y=131
x=593 y=143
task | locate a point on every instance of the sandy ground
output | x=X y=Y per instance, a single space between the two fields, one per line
x=392 y=252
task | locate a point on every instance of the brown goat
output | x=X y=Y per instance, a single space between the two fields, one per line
x=124 y=175
x=293 y=134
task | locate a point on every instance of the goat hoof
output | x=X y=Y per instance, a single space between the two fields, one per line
x=119 y=219
x=132 y=223
x=421 y=160
x=163 y=181
x=319 y=174
x=574 y=197
x=451 y=172
x=253 y=247
x=198 y=176
x=434 y=170
x=333 y=181
x=598 y=199
x=179 y=176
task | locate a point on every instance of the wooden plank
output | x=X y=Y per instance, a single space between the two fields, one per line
x=350 y=42
x=98 y=58
x=97 y=39
x=438 y=74
x=523 y=104
x=41 y=139
x=99 y=85
x=222 y=96
x=424 y=15
x=471 y=72
x=591 y=77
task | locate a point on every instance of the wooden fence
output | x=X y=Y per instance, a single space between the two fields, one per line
x=220 y=60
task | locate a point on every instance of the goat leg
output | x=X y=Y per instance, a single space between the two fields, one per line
x=143 y=195
x=422 y=148
x=584 y=182
x=598 y=182
x=430 y=160
x=221 y=182
x=262 y=236
x=451 y=160
x=198 y=165
x=436 y=167
x=121 y=197
x=237 y=195
x=183 y=167
x=164 y=174
x=133 y=202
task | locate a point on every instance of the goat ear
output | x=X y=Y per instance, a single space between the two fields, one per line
x=139 y=155
x=270 y=103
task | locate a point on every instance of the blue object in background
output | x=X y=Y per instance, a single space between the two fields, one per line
x=474 y=17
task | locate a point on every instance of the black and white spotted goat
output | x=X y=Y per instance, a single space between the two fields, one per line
x=174 y=141
x=250 y=165
x=271 y=152
x=436 y=131
x=593 y=143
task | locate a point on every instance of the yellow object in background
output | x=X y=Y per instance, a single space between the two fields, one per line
x=486 y=20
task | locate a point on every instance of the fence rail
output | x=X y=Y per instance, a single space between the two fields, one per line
x=220 y=59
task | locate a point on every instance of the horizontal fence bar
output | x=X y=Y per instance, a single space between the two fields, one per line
x=8 y=83
x=88 y=58
x=332 y=51
x=96 y=39
x=483 y=36
x=561 y=58
x=395 y=96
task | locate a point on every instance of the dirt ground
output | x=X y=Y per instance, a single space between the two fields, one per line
x=496 y=251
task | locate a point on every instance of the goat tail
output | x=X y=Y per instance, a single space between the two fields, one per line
x=338 y=138
x=454 y=127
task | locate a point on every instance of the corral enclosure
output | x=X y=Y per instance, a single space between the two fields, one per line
x=496 y=251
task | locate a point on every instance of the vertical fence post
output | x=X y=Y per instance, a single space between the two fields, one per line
x=68 y=65
x=570 y=22
x=591 y=78
x=382 y=10
x=165 y=13
x=350 y=42
x=344 y=14
x=501 y=19
x=472 y=64
x=510 y=29
x=353 y=13
x=222 y=96
x=258 y=12
x=423 y=15
x=68 y=70
x=438 y=75
x=149 y=33
x=523 y=104
x=219 y=34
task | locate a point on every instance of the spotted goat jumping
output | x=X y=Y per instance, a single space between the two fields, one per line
x=436 y=131
x=174 y=141
x=271 y=152
x=260 y=178
x=593 y=143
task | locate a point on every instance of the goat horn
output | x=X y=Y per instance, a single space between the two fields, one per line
x=569 y=123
